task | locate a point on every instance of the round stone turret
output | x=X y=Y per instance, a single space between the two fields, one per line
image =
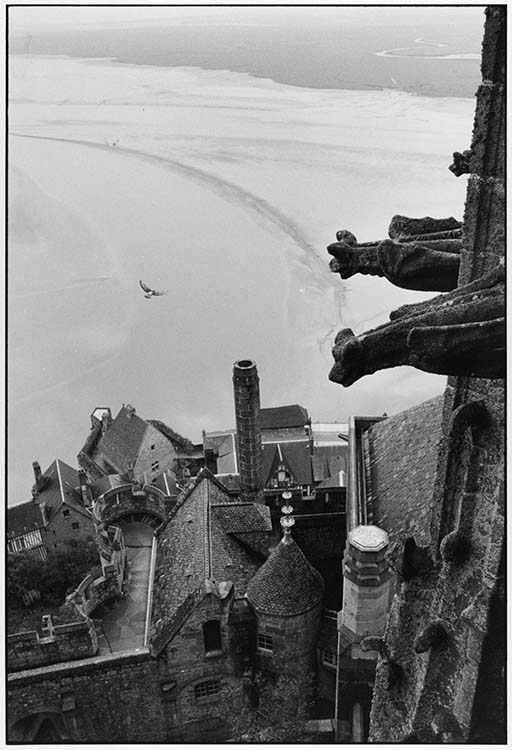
x=286 y=594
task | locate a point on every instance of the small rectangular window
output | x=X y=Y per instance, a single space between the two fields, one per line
x=206 y=689
x=153 y=447
x=329 y=657
x=75 y=525
x=264 y=642
x=66 y=512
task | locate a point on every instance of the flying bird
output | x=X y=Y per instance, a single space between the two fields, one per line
x=150 y=292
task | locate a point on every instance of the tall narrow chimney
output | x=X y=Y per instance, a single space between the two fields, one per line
x=247 y=414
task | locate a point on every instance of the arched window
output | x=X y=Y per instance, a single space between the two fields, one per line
x=211 y=636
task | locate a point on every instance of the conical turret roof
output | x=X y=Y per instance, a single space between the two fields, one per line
x=286 y=584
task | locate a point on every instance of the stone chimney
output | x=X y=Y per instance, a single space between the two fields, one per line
x=366 y=584
x=84 y=490
x=40 y=479
x=247 y=414
x=130 y=410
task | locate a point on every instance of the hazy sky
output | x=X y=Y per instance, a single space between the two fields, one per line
x=33 y=19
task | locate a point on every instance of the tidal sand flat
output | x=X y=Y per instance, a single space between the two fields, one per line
x=224 y=190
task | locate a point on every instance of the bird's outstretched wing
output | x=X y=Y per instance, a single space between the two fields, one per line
x=144 y=286
x=159 y=294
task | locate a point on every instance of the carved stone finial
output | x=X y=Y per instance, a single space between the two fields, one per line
x=461 y=162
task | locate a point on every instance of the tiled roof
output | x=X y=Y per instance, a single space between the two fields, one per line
x=296 y=455
x=22 y=518
x=121 y=443
x=403 y=453
x=239 y=518
x=329 y=460
x=286 y=584
x=61 y=487
x=283 y=416
x=194 y=547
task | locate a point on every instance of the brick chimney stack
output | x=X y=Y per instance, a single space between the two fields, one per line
x=247 y=414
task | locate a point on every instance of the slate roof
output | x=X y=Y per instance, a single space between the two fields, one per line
x=60 y=488
x=286 y=584
x=296 y=455
x=402 y=467
x=23 y=518
x=121 y=442
x=240 y=518
x=194 y=547
x=329 y=460
x=283 y=416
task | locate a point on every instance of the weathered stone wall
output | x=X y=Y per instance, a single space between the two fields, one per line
x=116 y=505
x=73 y=640
x=163 y=452
x=105 y=699
x=445 y=633
x=60 y=531
x=184 y=663
x=295 y=636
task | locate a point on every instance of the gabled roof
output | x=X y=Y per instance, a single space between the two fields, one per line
x=277 y=417
x=194 y=547
x=286 y=584
x=60 y=488
x=122 y=441
x=23 y=518
x=296 y=456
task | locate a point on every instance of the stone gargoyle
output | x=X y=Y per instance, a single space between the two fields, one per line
x=460 y=333
x=421 y=254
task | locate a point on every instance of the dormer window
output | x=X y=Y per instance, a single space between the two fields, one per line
x=66 y=512
x=155 y=466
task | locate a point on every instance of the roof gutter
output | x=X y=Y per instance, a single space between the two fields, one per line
x=149 y=605
x=356 y=492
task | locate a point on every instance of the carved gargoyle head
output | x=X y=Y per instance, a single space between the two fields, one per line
x=345 y=260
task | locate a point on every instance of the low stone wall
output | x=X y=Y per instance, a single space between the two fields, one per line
x=112 y=510
x=73 y=640
x=111 y=698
